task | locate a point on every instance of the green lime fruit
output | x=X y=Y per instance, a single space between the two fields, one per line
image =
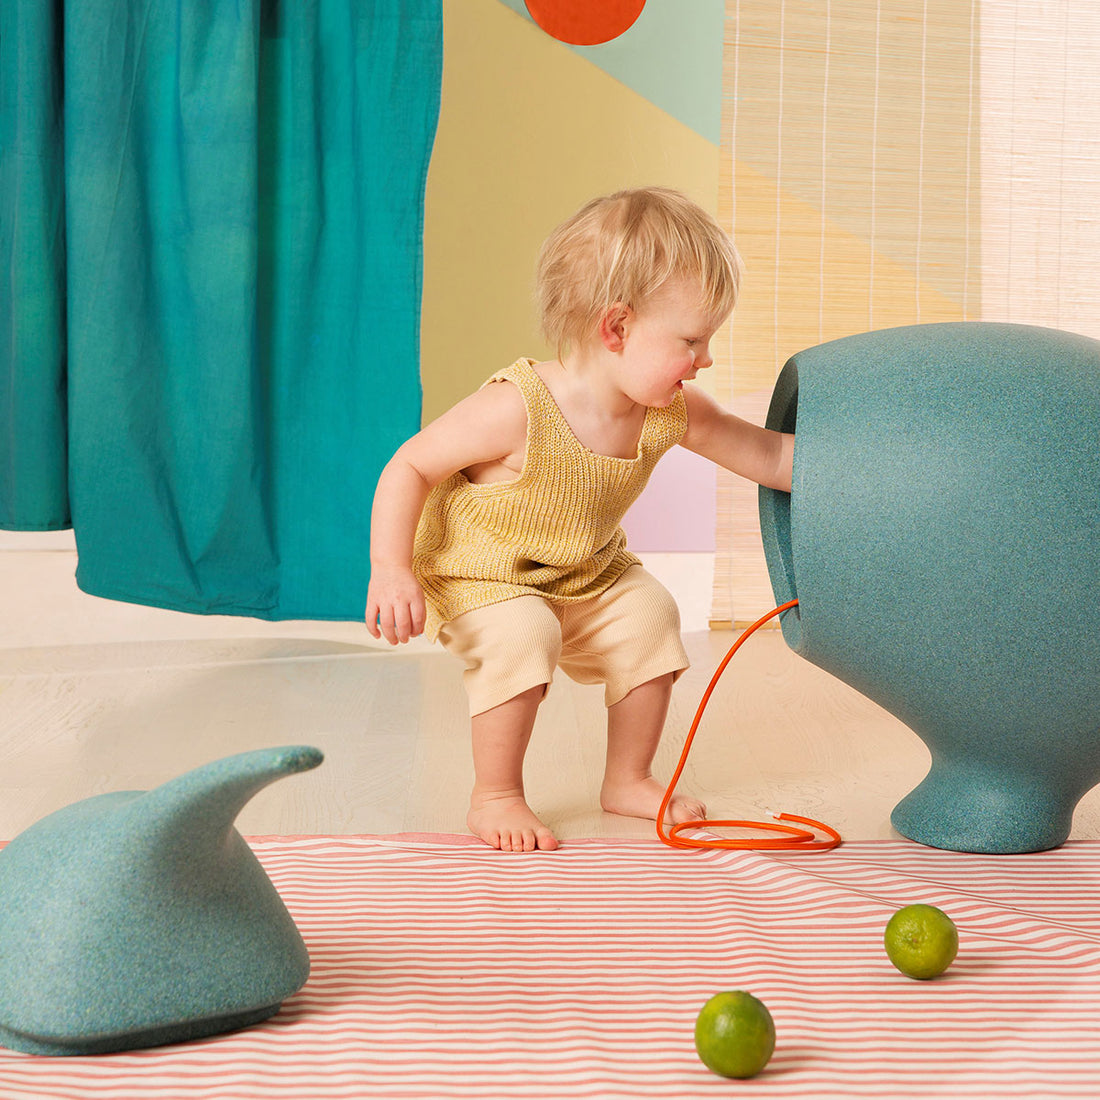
x=734 y=1034
x=921 y=940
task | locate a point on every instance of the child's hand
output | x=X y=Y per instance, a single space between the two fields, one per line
x=395 y=604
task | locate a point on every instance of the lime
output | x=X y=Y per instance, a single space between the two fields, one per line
x=921 y=940
x=734 y=1034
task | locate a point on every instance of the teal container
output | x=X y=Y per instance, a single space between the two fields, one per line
x=943 y=541
x=139 y=918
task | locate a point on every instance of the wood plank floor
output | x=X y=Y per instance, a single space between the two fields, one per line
x=98 y=696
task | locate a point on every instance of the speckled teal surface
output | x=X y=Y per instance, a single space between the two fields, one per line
x=943 y=541
x=139 y=918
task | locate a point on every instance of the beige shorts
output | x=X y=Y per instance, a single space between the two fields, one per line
x=622 y=638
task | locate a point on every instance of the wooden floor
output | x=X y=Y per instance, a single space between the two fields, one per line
x=98 y=696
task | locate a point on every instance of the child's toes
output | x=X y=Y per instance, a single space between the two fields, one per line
x=516 y=840
x=686 y=809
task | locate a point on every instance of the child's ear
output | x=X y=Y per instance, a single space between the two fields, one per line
x=613 y=324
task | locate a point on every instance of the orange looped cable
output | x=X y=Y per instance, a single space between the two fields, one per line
x=801 y=840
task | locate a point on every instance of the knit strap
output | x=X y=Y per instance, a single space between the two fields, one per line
x=547 y=429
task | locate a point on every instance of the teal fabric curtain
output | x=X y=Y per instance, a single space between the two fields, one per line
x=211 y=221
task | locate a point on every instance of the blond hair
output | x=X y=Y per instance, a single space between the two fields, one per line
x=623 y=248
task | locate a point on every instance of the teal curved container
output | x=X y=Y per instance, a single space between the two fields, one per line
x=943 y=540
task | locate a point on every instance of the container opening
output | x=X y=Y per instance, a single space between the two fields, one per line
x=775 y=508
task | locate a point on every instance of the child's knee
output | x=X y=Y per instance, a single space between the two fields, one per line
x=532 y=695
x=625 y=638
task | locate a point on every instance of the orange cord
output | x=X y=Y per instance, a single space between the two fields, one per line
x=796 y=839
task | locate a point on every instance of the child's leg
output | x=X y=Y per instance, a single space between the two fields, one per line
x=499 y=813
x=628 y=639
x=511 y=650
x=634 y=726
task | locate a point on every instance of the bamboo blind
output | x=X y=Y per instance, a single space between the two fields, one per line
x=851 y=183
x=890 y=162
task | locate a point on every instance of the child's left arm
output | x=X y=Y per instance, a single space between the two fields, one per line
x=756 y=453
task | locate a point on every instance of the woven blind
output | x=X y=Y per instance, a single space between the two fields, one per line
x=897 y=162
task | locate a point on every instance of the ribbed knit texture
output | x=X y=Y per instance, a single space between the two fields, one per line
x=553 y=531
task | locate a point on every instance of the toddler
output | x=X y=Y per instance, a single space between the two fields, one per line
x=496 y=527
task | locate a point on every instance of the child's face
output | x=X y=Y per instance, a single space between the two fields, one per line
x=666 y=343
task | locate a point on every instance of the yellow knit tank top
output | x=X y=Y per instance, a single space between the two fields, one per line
x=553 y=531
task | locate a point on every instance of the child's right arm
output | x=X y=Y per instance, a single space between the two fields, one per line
x=486 y=427
x=395 y=601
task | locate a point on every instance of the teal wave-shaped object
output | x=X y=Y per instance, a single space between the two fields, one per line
x=138 y=918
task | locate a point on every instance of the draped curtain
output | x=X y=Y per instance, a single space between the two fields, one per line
x=898 y=162
x=211 y=224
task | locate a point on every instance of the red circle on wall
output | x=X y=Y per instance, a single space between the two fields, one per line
x=585 y=22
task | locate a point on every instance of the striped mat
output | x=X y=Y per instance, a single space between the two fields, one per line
x=444 y=969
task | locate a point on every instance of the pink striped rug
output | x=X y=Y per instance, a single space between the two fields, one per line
x=444 y=969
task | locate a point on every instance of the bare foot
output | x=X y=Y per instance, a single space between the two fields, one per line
x=643 y=797
x=509 y=824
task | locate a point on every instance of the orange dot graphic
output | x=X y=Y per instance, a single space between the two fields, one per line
x=585 y=22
